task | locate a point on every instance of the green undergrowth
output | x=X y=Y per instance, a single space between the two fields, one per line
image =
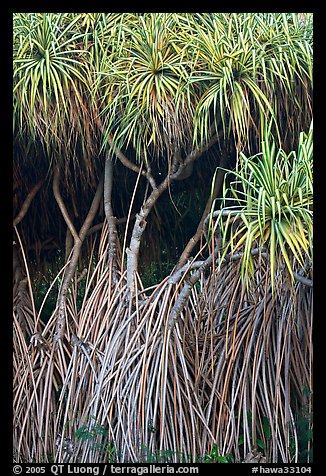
x=97 y=436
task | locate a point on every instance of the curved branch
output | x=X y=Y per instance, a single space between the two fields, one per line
x=57 y=196
x=125 y=161
x=27 y=202
x=192 y=156
x=92 y=211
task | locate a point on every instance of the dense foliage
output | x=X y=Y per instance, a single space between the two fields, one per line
x=163 y=196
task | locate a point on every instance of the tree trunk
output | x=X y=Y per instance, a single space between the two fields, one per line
x=111 y=219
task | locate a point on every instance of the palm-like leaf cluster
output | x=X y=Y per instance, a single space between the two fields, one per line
x=238 y=61
x=147 y=103
x=159 y=81
x=51 y=78
x=273 y=201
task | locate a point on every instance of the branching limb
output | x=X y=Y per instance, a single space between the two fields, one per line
x=125 y=161
x=61 y=205
x=78 y=241
x=140 y=224
x=191 y=157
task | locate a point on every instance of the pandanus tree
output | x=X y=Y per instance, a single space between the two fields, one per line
x=111 y=112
